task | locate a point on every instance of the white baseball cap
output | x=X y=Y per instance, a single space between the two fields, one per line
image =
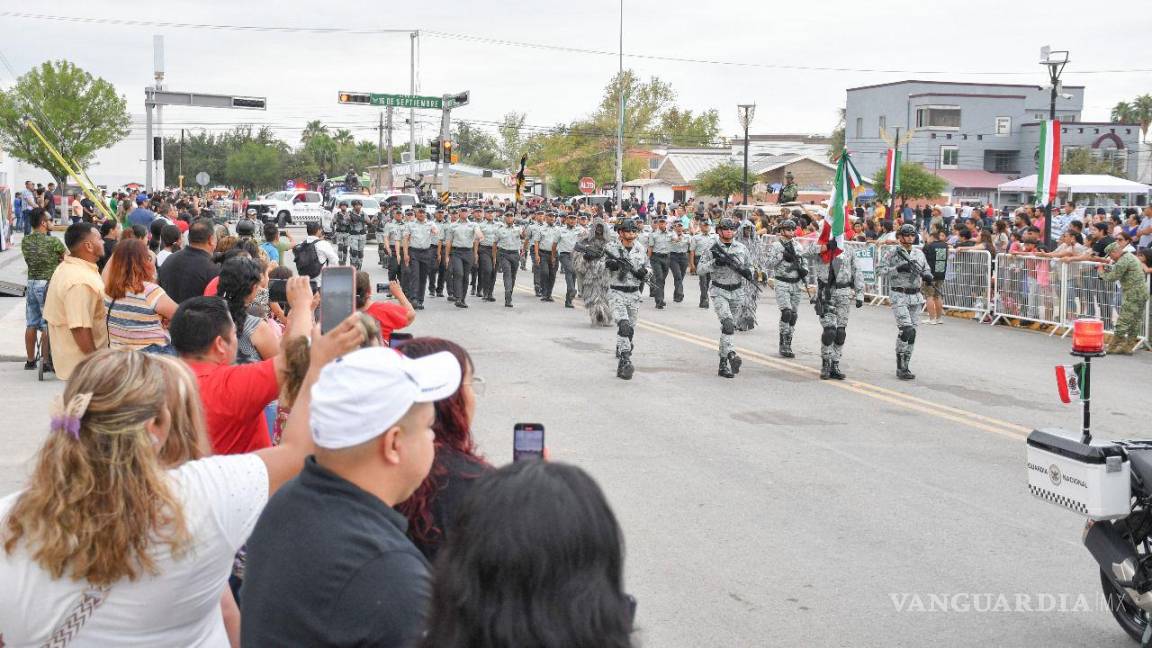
x=360 y=395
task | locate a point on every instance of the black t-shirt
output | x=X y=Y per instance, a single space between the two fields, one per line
x=1101 y=243
x=460 y=472
x=186 y=273
x=936 y=253
x=329 y=565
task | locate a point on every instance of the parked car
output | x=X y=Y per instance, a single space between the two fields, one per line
x=292 y=208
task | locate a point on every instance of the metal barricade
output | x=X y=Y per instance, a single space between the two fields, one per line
x=968 y=282
x=1029 y=288
x=868 y=259
x=1088 y=295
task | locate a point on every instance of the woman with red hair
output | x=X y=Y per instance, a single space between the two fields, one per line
x=137 y=305
x=432 y=508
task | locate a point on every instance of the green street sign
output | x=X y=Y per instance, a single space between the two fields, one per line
x=407 y=101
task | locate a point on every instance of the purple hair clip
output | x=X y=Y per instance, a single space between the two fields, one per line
x=67 y=418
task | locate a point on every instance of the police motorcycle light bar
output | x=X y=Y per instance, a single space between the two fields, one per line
x=1093 y=479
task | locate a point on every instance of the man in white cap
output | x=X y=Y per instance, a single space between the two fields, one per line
x=329 y=563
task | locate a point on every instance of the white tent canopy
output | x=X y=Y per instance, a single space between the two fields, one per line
x=1079 y=184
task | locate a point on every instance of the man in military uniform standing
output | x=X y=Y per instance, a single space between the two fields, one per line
x=439 y=275
x=488 y=266
x=628 y=263
x=789 y=191
x=1127 y=270
x=393 y=239
x=533 y=230
x=419 y=255
x=786 y=265
x=341 y=227
x=701 y=242
x=906 y=270
x=678 y=259
x=463 y=249
x=508 y=240
x=357 y=234
x=727 y=262
x=839 y=282
x=659 y=247
x=545 y=249
x=566 y=238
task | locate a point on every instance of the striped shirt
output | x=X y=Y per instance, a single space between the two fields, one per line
x=133 y=321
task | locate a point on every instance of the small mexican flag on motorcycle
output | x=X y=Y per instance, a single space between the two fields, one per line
x=1070 y=381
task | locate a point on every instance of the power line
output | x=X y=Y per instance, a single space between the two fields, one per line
x=522 y=44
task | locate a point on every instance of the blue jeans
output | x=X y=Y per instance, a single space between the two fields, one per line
x=34 y=303
x=166 y=349
x=25 y=223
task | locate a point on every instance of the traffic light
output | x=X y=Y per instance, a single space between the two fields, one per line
x=354 y=98
x=435 y=146
x=157 y=148
x=448 y=151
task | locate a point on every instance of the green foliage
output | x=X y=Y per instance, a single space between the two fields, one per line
x=915 y=182
x=721 y=181
x=78 y=113
x=254 y=166
x=211 y=152
x=1081 y=161
x=476 y=147
x=1137 y=111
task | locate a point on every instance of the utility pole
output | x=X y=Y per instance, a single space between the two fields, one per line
x=746 y=112
x=379 y=151
x=620 y=111
x=1055 y=60
x=895 y=172
x=180 y=171
x=412 y=91
x=445 y=134
x=388 y=126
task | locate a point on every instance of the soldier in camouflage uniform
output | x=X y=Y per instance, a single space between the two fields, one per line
x=728 y=264
x=838 y=282
x=628 y=263
x=785 y=263
x=357 y=234
x=340 y=226
x=906 y=270
x=789 y=191
x=1129 y=272
x=701 y=241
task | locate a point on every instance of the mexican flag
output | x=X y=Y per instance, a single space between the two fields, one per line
x=1070 y=381
x=1048 y=162
x=840 y=208
x=892 y=172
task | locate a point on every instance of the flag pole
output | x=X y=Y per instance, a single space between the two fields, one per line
x=892 y=191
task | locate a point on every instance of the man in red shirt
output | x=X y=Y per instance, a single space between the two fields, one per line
x=390 y=316
x=234 y=396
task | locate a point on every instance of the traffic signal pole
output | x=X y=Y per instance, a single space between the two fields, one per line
x=446 y=156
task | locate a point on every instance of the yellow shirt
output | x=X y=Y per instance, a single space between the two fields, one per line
x=75 y=299
x=880 y=212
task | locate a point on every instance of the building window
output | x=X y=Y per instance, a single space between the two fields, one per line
x=938 y=117
x=1003 y=162
x=1069 y=149
x=949 y=157
x=1003 y=125
x=883 y=125
x=653 y=163
x=859 y=127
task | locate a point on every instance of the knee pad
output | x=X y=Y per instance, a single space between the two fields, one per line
x=624 y=329
x=793 y=315
x=786 y=316
x=828 y=337
x=727 y=326
x=841 y=335
x=908 y=334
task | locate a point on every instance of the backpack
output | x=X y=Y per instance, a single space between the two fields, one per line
x=307 y=259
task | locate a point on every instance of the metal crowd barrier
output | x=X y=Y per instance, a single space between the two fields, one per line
x=874 y=289
x=1029 y=288
x=968 y=282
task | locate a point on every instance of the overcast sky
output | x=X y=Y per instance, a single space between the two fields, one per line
x=300 y=73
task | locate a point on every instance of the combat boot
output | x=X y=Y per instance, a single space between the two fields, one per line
x=703 y=302
x=725 y=369
x=735 y=362
x=508 y=299
x=625 y=369
x=902 y=371
x=825 y=368
x=786 y=346
x=834 y=371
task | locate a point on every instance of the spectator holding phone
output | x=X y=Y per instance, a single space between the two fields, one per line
x=328 y=562
x=542 y=544
x=433 y=507
x=390 y=316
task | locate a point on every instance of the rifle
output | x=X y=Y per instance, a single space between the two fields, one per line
x=726 y=258
x=627 y=267
x=791 y=257
x=824 y=290
x=925 y=274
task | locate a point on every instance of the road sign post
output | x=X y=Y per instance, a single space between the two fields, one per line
x=587 y=186
x=203 y=178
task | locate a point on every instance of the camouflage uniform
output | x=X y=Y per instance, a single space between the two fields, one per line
x=1129 y=272
x=727 y=293
x=701 y=241
x=341 y=226
x=905 y=271
x=785 y=262
x=624 y=297
x=847 y=285
x=357 y=237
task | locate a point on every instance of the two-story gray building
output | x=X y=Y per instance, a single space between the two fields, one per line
x=992 y=127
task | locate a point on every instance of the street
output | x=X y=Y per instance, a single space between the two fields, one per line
x=777 y=509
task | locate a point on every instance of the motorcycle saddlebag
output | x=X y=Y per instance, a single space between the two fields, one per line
x=1093 y=480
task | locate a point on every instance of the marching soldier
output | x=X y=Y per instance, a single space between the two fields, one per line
x=628 y=263
x=906 y=270
x=726 y=262
x=340 y=226
x=566 y=240
x=438 y=276
x=393 y=236
x=701 y=242
x=838 y=282
x=786 y=264
x=659 y=247
x=508 y=240
x=545 y=249
x=535 y=224
x=357 y=234
x=419 y=255
x=463 y=250
x=488 y=266
x=678 y=259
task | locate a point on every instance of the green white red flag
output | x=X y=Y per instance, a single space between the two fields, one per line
x=840 y=208
x=892 y=172
x=1048 y=163
x=1070 y=381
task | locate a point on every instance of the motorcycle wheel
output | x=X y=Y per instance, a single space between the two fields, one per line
x=1130 y=617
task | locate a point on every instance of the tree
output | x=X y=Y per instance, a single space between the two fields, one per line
x=682 y=128
x=312 y=130
x=78 y=113
x=1137 y=111
x=255 y=167
x=837 y=146
x=1081 y=161
x=721 y=181
x=915 y=182
x=1122 y=113
x=475 y=147
x=343 y=137
x=512 y=139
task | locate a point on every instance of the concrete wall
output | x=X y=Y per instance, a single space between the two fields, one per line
x=808 y=175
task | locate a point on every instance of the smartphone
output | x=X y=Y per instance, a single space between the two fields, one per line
x=381 y=287
x=337 y=296
x=527 y=441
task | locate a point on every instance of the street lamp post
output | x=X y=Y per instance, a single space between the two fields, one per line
x=747 y=112
x=1055 y=60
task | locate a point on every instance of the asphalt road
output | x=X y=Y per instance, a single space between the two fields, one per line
x=777 y=509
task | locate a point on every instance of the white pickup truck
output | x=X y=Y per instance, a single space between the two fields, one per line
x=292 y=207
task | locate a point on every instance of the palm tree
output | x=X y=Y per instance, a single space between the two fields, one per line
x=1122 y=113
x=1142 y=113
x=312 y=130
x=343 y=137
